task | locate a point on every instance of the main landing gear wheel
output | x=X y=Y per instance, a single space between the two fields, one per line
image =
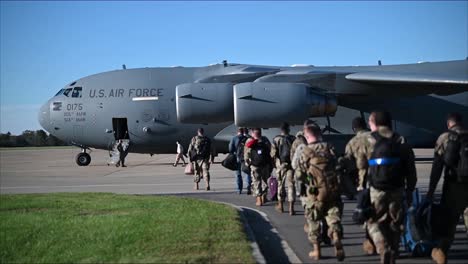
x=83 y=159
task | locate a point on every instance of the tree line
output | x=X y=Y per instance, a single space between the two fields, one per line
x=30 y=138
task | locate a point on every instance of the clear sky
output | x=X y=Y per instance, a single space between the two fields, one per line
x=45 y=45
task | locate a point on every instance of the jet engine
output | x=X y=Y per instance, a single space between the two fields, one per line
x=258 y=104
x=203 y=103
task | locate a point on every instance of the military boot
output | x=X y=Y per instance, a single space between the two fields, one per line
x=315 y=254
x=368 y=247
x=258 y=201
x=291 y=208
x=339 y=251
x=279 y=207
x=385 y=257
x=439 y=256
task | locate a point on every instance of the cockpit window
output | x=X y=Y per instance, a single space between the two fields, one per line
x=77 y=92
x=67 y=91
x=59 y=92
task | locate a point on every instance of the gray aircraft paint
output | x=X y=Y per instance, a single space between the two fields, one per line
x=409 y=91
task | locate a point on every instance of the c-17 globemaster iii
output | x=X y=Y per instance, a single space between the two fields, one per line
x=155 y=107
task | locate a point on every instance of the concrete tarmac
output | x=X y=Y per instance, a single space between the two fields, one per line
x=54 y=170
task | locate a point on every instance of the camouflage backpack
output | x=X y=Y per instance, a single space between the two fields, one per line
x=320 y=162
x=202 y=147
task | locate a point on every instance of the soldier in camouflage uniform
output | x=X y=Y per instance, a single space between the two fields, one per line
x=352 y=151
x=317 y=161
x=298 y=177
x=352 y=148
x=281 y=155
x=386 y=224
x=465 y=219
x=454 y=194
x=256 y=148
x=200 y=151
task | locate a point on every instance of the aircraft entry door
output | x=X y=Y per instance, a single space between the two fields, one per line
x=120 y=127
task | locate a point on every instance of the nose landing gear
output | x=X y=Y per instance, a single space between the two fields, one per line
x=83 y=158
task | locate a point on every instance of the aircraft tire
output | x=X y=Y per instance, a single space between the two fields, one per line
x=83 y=159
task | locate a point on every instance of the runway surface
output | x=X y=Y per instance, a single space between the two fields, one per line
x=54 y=170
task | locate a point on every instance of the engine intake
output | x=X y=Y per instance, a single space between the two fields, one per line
x=202 y=103
x=270 y=104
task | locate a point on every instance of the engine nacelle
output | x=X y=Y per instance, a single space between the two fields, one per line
x=202 y=103
x=270 y=104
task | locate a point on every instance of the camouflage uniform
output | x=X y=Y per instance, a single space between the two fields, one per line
x=298 y=175
x=201 y=165
x=387 y=223
x=465 y=219
x=351 y=153
x=260 y=175
x=454 y=194
x=283 y=170
x=316 y=208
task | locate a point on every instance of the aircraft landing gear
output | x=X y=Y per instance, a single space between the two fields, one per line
x=83 y=158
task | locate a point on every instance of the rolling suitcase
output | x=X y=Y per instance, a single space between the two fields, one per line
x=272 y=188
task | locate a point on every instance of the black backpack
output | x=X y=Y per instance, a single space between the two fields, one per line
x=240 y=148
x=456 y=155
x=385 y=170
x=284 y=148
x=260 y=154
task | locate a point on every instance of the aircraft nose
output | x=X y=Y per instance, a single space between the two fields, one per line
x=44 y=116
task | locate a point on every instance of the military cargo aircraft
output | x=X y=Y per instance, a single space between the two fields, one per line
x=155 y=107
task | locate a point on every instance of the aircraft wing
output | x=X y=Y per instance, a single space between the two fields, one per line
x=419 y=82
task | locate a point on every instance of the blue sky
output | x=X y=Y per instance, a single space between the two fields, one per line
x=45 y=45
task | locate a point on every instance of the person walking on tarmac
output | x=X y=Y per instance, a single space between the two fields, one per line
x=257 y=157
x=281 y=155
x=122 y=154
x=391 y=172
x=450 y=156
x=180 y=154
x=236 y=147
x=350 y=160
x=200 y=152
x=317 y=161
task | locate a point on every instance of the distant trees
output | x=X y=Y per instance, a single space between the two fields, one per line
x=30 y=138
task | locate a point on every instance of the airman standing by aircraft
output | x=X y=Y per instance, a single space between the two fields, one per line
x=281 y=155
x=385 y=154
x=180 y=154
x=451 y=154
x=317 y=160
x=257 y=157
x=200 y=152
x=236 y=147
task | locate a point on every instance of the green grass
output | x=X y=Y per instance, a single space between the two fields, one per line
x=37 y=148
x=111 y=228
